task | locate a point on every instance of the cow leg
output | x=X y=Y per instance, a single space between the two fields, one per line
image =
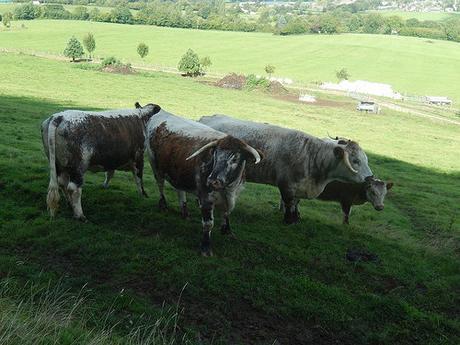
x=138 y=171
x=75 y=191
x=291 y=212
x=346 y=209
x=225 y=228
x=63 y=181
x=282 y=207
x=183 y=204
x=207 y=217
x=108 y=176
x=161 y=186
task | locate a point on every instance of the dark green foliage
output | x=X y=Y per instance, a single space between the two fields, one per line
x=90 y=43
x=189 y=64
x=122 y=15
x=80 y=13
x=269 y=69
x=142 y=50
x=74 y=49
x=26 y=12
x=254 y=82
x=342 y=74
x=55 y=11
x=110 y=61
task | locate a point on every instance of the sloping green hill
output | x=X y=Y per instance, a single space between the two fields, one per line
x=293 y=284
x=417 y=66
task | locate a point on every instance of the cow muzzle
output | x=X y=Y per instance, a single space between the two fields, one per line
x=216 y=184
x=379 y=207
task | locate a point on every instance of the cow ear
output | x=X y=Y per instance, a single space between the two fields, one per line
x=339 y=152
x=389 y=185
x=137 y=105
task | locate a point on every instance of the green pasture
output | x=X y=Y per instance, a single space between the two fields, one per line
x=411 y=65
x=435 y=16
x=292 y=284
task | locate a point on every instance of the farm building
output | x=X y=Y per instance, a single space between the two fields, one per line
x=368 y=107
x=438 y=100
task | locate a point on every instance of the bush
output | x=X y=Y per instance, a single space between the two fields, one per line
x=55 y=12
x=121 y=15
x=342 y=74
x=254 y=82
x=74 y=49
x=110 y=61
x=7 y=19
x=80 y=13
x=142 y=50
x=27 y=12
x=189 y=64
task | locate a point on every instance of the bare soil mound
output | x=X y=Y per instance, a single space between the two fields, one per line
x=125 y=69
x=277 y=88
x=232 y=81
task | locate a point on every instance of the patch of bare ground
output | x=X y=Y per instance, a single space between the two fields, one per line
x=232 y=81
x=125 y=69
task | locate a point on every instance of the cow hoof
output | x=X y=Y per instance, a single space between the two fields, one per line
x=82 y=219
x=206 y=253
x=226 y=230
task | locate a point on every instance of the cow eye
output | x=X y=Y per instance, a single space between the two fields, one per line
x=356 y=161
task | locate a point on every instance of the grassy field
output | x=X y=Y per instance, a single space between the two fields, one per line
x=412 y=65
x=292 y=284
x=436 y=16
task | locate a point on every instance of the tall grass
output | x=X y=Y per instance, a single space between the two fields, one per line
x=33 y=314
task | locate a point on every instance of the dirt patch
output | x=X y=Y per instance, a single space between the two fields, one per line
x=232 y=81
x=125 y=69
x=276 y=88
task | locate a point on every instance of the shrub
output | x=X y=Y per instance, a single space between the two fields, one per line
x=270 y=69
x=7 y=19
x=342 y=74
x=205 y=63
x=142 y=50
x=74 y=49
x=254 y=82
x=55 y=11
x=189 y=64
x=110 y=61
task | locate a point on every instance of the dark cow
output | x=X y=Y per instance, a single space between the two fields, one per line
x=349 y=194
x=76 y=141
x=195 y=158
x=300 y=165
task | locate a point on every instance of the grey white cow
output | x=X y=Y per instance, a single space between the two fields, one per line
x=300 y=165
x=76 y=141
x=198 y=159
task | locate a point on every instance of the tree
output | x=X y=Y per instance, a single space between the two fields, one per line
x=7 y=19
x=189 y=64
x=27 y=11
x=270 y=69
x=80 y=13
x=90 y=43
x=142 y=50
x=205 y=63
x=121 y=14
x=342 y=74
x=73 y=49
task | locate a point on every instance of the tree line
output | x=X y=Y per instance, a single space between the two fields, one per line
x=214 y=15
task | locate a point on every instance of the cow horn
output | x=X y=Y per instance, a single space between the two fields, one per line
x=346 y=159
x=204 y=148
x=253 y=152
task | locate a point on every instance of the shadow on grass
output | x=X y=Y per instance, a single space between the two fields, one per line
x=292 y=284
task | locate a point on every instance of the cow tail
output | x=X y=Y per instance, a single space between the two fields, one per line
x=52 y=199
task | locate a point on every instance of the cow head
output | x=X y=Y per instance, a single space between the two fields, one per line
x=352 y=162
x=376 y=191
x=227 y=158
x=147 y=111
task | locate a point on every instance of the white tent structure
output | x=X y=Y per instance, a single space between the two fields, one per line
x=363 y=87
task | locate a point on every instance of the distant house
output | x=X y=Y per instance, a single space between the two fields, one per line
x=438 y=100
x=368 y=107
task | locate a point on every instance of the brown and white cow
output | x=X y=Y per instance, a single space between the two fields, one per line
x=195 y=158
x=76 y=141
x=300 y=165
x=372 y=190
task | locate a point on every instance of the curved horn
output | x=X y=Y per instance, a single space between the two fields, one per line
x=253 y=152
x=204 y=148
x=346 y=160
